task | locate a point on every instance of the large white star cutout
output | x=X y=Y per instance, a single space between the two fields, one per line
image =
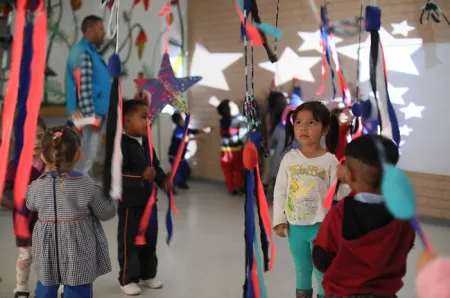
x=311 y=41
x=412 y=111
x=398 y=54
x=210 y=66
x=405 y=130
x=396 y=94
x=290 y=66
x=401 y=28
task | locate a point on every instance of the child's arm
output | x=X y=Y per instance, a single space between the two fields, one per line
x=326 y=243
x=30 y=200
x=102 y=207
x=280 y=195
x=343 y=190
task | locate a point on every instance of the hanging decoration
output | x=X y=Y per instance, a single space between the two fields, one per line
x=254 y=286
x=165 y=89
x=146 y=3
x=433 y=11
x=141 y=40
x=112 y=172
x=28 y=68
x=329 y=48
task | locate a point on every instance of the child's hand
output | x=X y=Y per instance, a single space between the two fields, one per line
x=340 y=173
x=424 y=259
x=149 y=174
x=8 y=204
x=280 y=230
x=207 y=129
x=168 y=185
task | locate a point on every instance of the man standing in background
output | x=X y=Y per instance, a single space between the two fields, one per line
x=88 y=87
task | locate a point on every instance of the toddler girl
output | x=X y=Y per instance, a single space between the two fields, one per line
x=304 y=177
x=69 y=244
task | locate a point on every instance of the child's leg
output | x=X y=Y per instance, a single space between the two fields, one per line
x=147 y=254
x=23 y=268
x=312 y=234
x=83 y=291
x=183 y=172
x=301 y=252
x=227 y=167
x=238 y=170
x=46 y=291
x=128 y=254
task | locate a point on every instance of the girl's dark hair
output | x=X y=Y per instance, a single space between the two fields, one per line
x=177 y=117
x=224 y=108
x=276 y=103
x=321 y=114
x=41 y=123
x=60 y=145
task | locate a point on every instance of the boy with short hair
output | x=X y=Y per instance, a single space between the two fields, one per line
x=360 y=247
x=137 y=263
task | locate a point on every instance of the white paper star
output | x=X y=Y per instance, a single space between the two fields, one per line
x=311 y=41
x=214 y=101
x=290 y=66
x=395 y=94
x=402 y=143
x=398 y=54
x=405 y=130
x=210 y=66
x=401 y=28
x=412 y=111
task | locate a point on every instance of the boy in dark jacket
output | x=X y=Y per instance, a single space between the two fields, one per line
x=137 y=263
x=360 y=246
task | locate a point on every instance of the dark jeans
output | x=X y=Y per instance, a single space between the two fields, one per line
x=183 y=172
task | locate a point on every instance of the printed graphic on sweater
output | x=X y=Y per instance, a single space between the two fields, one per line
x=302 y=203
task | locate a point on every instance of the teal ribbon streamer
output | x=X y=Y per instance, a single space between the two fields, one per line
x=263 y=27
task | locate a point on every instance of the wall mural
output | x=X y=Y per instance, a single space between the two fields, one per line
x=59 y=36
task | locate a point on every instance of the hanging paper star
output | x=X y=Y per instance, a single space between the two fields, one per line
x=405 y=130
x=401 y=28
x=412 y=111
x=167 y=89
x=145 y=2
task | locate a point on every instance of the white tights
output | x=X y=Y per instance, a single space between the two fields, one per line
x=23 y=268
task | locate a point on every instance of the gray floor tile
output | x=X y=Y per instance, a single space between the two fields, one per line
x=206 y=257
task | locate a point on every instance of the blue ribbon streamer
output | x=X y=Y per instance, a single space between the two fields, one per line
x=325 y=37
x=249 y=230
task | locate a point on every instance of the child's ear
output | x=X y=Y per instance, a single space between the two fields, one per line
x=78 y=156
x=325 y=131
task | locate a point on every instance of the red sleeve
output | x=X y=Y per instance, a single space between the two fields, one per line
x=326 y=244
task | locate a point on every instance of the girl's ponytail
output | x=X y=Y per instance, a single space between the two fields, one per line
x=332 y=137
x=289 y=131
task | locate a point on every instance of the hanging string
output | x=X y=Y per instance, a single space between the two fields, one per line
x=112 y=31
x=247 y=98
x=276 y=26
x=358 y=62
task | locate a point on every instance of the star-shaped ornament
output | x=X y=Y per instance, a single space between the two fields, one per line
x=167 y=89
x=291 y=66
x=405 y=130
x=311 y=41
x=401 y=28
x=211 y=66
x=412 y=111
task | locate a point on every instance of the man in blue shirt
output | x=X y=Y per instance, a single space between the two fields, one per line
x=88 y=87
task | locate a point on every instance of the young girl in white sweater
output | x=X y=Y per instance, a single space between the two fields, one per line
x=303 y=180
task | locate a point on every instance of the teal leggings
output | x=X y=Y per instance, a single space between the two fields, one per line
x=300 y=241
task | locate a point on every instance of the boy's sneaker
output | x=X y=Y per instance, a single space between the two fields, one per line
x=152 y=283
x=183 y=186
x=21 y=294
x=131 y=289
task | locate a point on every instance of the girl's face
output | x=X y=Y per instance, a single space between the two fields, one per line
x=307 y=130
x=37 y=141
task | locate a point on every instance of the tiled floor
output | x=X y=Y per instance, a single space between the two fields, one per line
x=206 y=256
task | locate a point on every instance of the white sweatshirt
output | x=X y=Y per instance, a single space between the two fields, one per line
x=301 y=186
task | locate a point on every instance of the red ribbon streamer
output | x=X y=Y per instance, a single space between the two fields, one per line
x=328 y=202
x=145 y=220
x=324 y=69
x=252 y=32
x=10 y=102
x=166 y=10
x=33 y=104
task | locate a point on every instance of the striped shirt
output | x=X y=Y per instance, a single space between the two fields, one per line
x=233 y=130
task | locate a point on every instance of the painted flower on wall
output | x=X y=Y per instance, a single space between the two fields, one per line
x=76 y=4
x=145 y=2
x=141 y=40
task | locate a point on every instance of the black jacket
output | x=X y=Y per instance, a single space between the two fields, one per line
x=136 y=159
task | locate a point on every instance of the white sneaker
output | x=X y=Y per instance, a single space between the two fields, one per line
x=131 y=289
x=152 y=283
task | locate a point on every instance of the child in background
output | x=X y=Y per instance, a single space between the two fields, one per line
x=137 y=263
x=433 y=277
x=184 y=170
x=345 y=118
x=302 y=183
x=361 y=248
x=23 y=266
x=69 y=244
x=233 y=130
